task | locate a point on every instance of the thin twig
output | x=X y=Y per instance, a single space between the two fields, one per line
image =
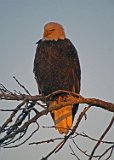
x=25 y=139
x=82 y=151
x=46 y=141
x=73 y=153
x=111 y=148
x=102 y=136
x=12 y=115
x=91 y=138
x=21 y=85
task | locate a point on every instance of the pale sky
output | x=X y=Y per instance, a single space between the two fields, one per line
x=90 y=26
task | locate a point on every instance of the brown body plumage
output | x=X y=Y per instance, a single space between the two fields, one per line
x=56 y=67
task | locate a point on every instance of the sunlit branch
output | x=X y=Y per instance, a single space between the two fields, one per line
x=27 y=113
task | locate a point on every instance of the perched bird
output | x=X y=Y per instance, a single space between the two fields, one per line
x=57 y=67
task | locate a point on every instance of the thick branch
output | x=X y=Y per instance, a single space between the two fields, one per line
x=73 y=100
x=14 y=129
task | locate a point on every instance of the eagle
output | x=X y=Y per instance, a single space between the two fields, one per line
x=57 y=67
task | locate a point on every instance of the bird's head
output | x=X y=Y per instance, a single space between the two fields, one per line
x=53 y=31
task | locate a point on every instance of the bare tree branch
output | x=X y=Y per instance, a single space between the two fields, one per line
x=73 y=153
x=91 y=138
x=103 y=135
x=22 y=86
x=111 y=148
x=16 y=125
x=74 y=100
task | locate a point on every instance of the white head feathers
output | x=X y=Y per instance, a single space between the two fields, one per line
x=53 y=31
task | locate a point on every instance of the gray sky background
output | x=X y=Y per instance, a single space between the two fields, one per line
x=90 y=26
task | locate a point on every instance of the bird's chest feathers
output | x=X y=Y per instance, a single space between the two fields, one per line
x=53 y=56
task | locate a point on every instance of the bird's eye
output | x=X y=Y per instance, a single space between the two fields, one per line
x=52 y=29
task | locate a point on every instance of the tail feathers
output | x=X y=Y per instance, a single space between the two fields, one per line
x=62 y=118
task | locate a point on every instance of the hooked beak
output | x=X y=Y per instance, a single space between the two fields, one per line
x=46 y=33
